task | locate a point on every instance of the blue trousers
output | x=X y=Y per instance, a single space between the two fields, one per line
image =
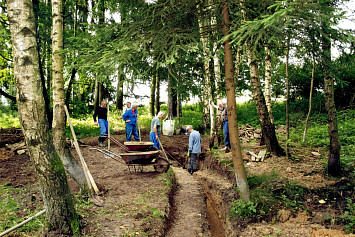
x=227 y=142
x=131 y=129
x=154 y=140
x=103 y=127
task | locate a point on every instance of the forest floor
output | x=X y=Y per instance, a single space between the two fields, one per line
x=174 y=203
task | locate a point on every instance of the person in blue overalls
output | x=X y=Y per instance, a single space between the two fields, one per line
x=131 y=119
x=101 y=113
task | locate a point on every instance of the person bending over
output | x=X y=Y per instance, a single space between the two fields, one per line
x=155 y=129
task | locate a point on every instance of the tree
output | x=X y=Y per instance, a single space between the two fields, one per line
x=152 y=95
x=239 y=168
x=334 y=167
x=71 y=165
x=60 y=215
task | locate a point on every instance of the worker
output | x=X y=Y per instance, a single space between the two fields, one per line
x=155 y=129
x=128 y=107
x=131 y=119
x=101 y=114
x=194 y=149
x=222 y=106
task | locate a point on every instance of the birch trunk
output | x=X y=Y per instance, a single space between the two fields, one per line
x=268 y=82
x=237 y=157
x=287 y=98
x=60 y=215
x=310 y=102
x=71 y=165
x=170 y=97
x=208 y=110
x=334 y=167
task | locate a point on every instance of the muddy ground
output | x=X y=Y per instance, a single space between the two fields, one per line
x=141 y=203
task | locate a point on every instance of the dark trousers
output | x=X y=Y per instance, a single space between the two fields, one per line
x=193 y=162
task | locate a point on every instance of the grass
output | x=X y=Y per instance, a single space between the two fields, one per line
x=12 y=202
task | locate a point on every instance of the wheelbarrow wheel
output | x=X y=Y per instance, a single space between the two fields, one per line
x=161 y=165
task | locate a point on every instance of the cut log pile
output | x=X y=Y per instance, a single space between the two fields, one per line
x=17 y=148
x=248 y=133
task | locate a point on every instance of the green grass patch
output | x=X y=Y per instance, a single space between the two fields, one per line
x=14 y=209
x=269 y=193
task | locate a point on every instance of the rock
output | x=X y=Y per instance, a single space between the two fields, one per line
x=315 y=153
x=20 y=152
x=283 y=215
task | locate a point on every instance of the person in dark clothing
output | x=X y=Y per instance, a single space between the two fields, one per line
x=101 y=114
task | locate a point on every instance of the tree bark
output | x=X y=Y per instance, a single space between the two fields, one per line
x=207 y=118
x=71 y=165
x=237 y=157
x=152 y=96
x=97 y=92
x=268 y=82
x=287 y=97
x=268 y=129
x=170 y=97
x=310 y=102
x=334 y=167
x=70 y=85
x=60 y=215
x=119 y=96
x=157 y=94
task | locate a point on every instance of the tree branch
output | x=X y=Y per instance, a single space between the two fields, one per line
x=6 y=95
x=7 y=59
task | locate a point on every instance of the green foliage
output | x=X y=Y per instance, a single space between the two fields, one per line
x=9 y=118
x=269 y=193
x=243 y=210
x=349 y=217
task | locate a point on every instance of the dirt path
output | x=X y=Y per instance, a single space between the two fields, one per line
x=189 y=207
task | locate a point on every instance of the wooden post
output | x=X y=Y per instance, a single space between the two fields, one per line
x=88 y=176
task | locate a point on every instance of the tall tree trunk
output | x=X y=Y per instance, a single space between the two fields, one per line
x=70 y=85
x=310 y=101
x=287 y=98
x=71 y=165
x=170 y=97
x=152 y=96
x=157 y=94
x=207 y=90
x=44 y=89
x=237 y=157
x=119 y=96
x=334 y=167
x=268 y=129
x=268 y=82
x=97 y=92
x=60 y=215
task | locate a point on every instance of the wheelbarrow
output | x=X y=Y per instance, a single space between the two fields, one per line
x=140 y=146
x=137 y=160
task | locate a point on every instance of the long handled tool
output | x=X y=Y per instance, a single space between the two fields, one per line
x=162 y=148
x=88 y=176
